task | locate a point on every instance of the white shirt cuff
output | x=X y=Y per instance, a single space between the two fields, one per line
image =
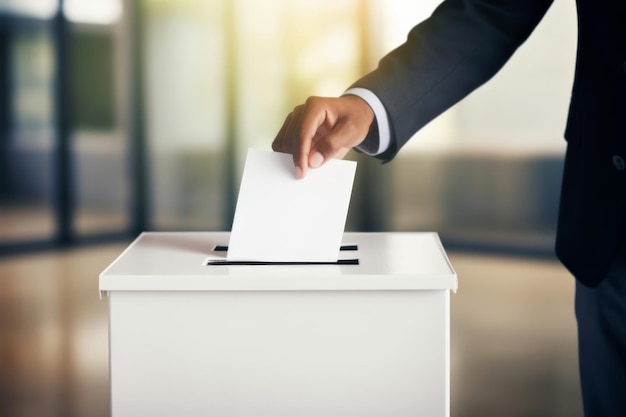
x=384 y=133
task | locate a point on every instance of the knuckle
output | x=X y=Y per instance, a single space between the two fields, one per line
x=313 y=102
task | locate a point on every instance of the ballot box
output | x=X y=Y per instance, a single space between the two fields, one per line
x=192 y=335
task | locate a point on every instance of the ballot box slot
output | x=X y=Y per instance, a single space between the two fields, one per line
x=224 y=248
x=221 y=262
x=347 y=247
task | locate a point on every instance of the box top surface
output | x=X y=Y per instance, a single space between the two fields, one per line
x=177 y=261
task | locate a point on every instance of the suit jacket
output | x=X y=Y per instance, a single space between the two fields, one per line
x=464 y=43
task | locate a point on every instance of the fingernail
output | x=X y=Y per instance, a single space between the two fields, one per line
x=298 y=172
x=316 y=160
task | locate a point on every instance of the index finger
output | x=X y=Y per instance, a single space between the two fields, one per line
x=313 y=117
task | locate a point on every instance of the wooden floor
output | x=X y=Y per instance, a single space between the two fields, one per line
x=513 y=337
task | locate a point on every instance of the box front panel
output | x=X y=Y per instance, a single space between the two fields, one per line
x=363 y=353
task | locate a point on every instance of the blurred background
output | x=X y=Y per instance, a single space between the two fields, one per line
x=119 y=116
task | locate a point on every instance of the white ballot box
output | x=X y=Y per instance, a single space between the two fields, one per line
x=369 y=336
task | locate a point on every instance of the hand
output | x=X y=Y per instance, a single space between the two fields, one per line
x=323 y=128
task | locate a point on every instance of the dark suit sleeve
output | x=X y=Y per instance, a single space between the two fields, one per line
x=461 y=46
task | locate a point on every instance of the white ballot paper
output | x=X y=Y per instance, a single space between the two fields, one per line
x=280 y=218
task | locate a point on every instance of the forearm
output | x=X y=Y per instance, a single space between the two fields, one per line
x=462 y=45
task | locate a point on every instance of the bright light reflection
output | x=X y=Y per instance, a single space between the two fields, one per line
x=101 y=12
x=400 y=17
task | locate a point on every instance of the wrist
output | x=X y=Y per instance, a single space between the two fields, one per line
x=378 y=137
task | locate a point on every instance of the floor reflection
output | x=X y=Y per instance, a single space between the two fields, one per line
x=53 y=334
x=513 y=337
